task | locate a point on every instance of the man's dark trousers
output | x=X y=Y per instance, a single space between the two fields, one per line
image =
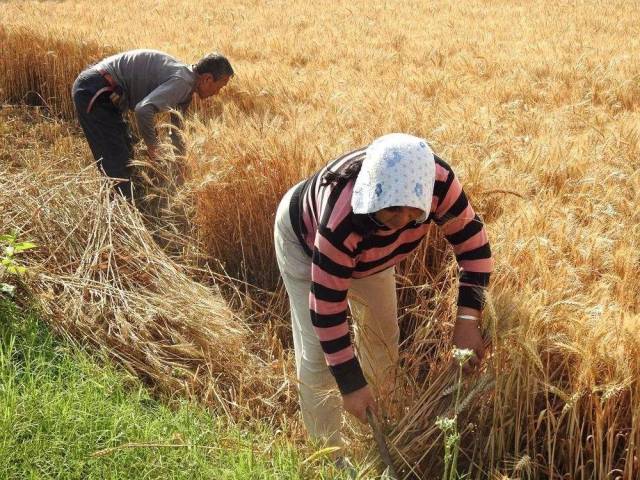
x=104 y=127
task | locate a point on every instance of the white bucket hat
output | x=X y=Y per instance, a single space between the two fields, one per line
x=398 y=171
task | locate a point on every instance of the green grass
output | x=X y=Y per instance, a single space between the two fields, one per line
x=58 y=407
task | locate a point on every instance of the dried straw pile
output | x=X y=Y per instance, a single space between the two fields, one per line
x=102 y=279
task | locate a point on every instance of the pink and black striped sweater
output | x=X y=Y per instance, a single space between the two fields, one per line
x=344 y=245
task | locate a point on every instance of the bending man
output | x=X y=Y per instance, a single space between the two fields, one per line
x=147 y=82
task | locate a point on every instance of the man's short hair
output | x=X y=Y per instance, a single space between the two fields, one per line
x=216 y=64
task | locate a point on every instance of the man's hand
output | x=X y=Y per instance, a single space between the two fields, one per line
x=356 y=403
x=466 y=334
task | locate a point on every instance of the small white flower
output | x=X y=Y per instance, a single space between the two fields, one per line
x=462 y=355
x=446 y=424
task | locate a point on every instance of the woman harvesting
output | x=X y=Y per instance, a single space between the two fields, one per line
x=339 y=234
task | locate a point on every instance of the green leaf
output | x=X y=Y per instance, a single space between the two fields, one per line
x=16 y=269
x=22 y=246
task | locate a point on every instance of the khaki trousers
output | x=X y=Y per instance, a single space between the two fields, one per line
x=373 y=305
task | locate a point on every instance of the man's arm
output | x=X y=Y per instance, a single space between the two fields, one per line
x=171 y=94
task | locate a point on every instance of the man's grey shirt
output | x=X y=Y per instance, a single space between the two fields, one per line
x=152 y=82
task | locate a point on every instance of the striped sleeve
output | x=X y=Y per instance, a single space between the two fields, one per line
x=466 y=233
x=333 y=263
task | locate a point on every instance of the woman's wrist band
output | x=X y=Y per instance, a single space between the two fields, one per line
x=468 y=317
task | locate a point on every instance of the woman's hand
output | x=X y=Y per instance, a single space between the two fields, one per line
x=356 y=403
x=466 y=334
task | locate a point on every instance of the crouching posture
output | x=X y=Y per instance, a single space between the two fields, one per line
x=338 y=236
x=147 y=82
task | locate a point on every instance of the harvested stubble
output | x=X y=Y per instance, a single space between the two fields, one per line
x=101 y=279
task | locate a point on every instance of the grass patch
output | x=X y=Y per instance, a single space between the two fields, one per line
x=64 y=416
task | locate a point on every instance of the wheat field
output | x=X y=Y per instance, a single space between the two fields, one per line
x=536 y=107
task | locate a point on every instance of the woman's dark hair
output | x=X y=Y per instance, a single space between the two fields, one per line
x=346 y=173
